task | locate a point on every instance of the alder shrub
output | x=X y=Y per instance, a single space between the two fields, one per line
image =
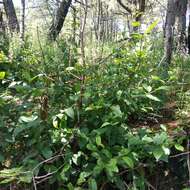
x=76 y=126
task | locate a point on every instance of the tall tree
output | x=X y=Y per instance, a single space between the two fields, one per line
x=136 y=13
x=181 y=14
x=11 y=15
x=175 y=9
x=2 y=26
x=170 y=21
x=59 y=19
x=22 y=28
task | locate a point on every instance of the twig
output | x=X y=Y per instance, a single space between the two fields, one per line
x=150 y=185
x=181 y=154
x=103 y=185
x=188 y=160
x=34 y=183
x=46 y=161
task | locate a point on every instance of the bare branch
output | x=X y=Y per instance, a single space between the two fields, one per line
x=125 y=7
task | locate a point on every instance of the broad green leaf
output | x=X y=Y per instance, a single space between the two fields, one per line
x=92 y=185
x=119 y=93
x=1 y=158
x=136 y=24
x=76 y=157
x=166 y=150
x=147 y=88
x=55 y=122
x=163 y=127
x=147 y=139
x=128 y=161
x=160 y=138
x=151 y=27
x=70 y=112
x=105 y=124
x=28 y=119
x=47 y=152
x=99 y=141
x=179 y=147
x=117 y=111
x=151 y=97
x=36 y=77
x=162 y=88
x=158 y=153
x=70 y=186
x=82 y=177
x=91 y=147
x=2 y=75
x=27 y=178
x=8 y=180
x=70 y=69
x=112 y=166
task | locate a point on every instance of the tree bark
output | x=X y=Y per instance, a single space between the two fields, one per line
x=2 y=26
x=141 y=10
x=59 y=19
x=124 y=7
x=11 y=15
x=182 y=10
x=170 y=21
x=22 y=31
x=188 y=39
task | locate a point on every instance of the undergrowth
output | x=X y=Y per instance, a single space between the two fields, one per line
x=75 y=126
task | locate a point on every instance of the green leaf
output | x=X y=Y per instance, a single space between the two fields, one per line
x=136 y=24
x=76 y=157
x=8 y=180
x=105 y=124
x=147 y=139
x=69 y=68
x=99 y=141
x=111 y=167
x=92 y=185
x=70 y=186
x=179 y=147
x=27 y=178
x=128 y=161
x=1 y=158
x=158 y=153
x=163 y=127
x=150 y=96
x=70 y=112
x=166 y=150
x=117 y=111
x=160 y=138
x=147 y=88
x=28 y=119
x=162 y=88
x=2 y=75
x=47 y=152
x=55 y=122
x=151 y=27
x=91 y=147
x=82 y=177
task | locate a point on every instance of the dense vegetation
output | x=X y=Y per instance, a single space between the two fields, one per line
x=70 y=122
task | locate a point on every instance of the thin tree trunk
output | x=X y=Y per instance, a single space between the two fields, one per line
x=11 y=15
x=82 y=31
x=140 y=12
x=170 y=21
x=59 y=19
x=2 y=26
x=188 y=39
x=22 y=31
x=182 y=6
